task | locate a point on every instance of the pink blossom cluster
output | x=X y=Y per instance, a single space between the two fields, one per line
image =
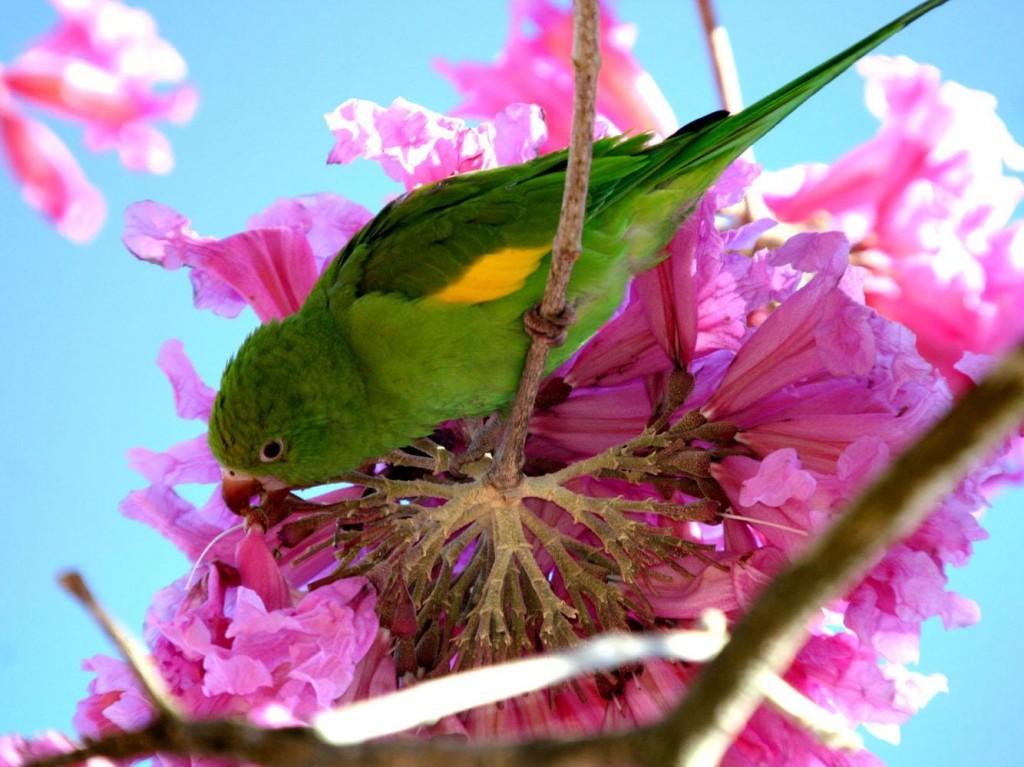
x=534 y=67
x=97 y=67
x=237 y=636
x=786 y=345
x=415 y=146
x=927 y=205
x=823 y=390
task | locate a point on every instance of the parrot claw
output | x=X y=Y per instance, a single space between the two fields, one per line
x=552 y=330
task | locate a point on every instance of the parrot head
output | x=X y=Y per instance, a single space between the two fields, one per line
x=288 y=413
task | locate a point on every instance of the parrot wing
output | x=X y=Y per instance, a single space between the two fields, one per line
x=478 y=235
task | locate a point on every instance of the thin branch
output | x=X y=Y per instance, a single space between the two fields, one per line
x=767 y=639
x=727 y=81
x=130 y=648
x=723 y=64
x=553 y=309
x=831 y=729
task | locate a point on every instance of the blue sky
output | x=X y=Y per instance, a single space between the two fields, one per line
x=80 y=327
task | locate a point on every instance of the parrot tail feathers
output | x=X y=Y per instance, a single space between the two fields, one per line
x=681 y=168
x=724 y=140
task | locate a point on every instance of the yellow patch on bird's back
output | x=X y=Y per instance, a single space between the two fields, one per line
x=493 y=276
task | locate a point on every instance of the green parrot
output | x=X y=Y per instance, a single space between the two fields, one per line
x=419 y=319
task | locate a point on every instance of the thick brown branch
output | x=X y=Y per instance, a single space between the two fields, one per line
x=567 y=244
x=245 y=743
x=770 y=635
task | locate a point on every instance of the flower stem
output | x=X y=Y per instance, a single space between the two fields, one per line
x=506 y=472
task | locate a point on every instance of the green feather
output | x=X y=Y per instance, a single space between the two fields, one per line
x=418 y=320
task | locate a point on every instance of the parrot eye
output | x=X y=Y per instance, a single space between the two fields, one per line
x=272 y=450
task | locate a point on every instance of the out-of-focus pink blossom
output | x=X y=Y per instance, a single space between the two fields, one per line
x=416 y=146
x=98 y=67
x=51 y=180
x=927 y=205
x=536 y=67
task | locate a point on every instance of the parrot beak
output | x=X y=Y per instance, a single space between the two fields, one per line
x=237 y=489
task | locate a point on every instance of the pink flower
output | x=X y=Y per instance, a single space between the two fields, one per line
x=240 y=641
x=52 y=181
x=818 y=393
x=536 y=67
x=416 y=146
x=822 y=392
x=243 y=639
x=98 y=66
x=271 y=267
x=927 y=205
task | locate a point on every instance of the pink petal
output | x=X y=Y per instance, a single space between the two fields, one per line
x=779 y=478
x=192 y=398
x=416 y=146
x=272 y=269
x=157 y=233
x=782 y=350
x=535 y=68
x=591 y=421
x=189 y=528
x=184 y=463
x=52 y=181
x=115 y=702
x=327 y=220
x=845 y=341
x=621 y=351
x=235 y=675
x=260 y=572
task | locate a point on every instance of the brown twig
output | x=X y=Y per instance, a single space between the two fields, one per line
x=129 y=647
x=768 y=638
x=727 y=81
x=553 y=309
x=723 y=64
